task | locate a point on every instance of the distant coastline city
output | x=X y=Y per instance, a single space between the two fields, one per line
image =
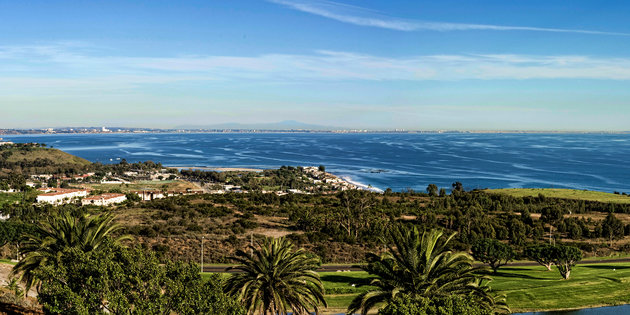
x=106 y=130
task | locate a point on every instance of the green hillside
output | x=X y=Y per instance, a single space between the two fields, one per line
x=33 y=159
x=563 y=193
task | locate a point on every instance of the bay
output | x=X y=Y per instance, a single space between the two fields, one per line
x=397 y=161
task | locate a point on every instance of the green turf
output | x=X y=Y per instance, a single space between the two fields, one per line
x=7 y=261
x=531 y=288
x=563 y=193
x=526 y=288
x=10 y=198
x=534 y=288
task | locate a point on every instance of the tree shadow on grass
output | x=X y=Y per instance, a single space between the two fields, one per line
x=499 y=273
x=345 y=279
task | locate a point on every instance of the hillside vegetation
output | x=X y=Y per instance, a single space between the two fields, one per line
x=27 y=159
x=573 y=194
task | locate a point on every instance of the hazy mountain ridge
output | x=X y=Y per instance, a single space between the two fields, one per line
x=282 y=125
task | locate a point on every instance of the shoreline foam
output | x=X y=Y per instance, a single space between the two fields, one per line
x=360 y=185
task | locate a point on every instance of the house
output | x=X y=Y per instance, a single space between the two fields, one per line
x=148 y=195
x=57 y=196
x=104 y=199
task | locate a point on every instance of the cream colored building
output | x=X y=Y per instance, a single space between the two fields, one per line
x=59 y=196
x=104 y=199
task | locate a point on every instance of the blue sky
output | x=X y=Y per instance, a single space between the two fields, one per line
x=523 y=64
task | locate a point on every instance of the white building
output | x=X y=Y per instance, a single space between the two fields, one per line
x=59 y=196
x=148 y=195
x=104 y=199
x=5 y=142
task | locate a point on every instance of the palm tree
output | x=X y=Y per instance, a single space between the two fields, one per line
x=276 y=278
x=46 y=243
x=421 y=265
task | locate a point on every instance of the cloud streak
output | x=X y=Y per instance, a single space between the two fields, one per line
x=363 y=17
x=56 y=67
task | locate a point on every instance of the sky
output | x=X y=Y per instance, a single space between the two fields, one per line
x=416 y=65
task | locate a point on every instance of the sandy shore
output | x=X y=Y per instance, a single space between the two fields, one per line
x=360 y=185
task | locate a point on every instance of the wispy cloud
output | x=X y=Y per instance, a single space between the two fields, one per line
x=56 y=67
x=363 y=17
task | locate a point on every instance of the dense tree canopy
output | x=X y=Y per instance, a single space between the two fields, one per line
x=492 y=252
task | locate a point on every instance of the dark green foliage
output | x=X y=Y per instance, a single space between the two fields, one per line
x=405 y=304
x=542 y=254
x=517 y=232
x=492 y=252
x=551 y=215
x=612 y=228
x=432 y=190
x=565 y=257
x=133 y=197
x=458 y=187
x=45 y=244
x=117 y=280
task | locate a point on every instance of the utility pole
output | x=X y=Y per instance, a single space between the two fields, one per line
x=251 y=244
x=202 y=253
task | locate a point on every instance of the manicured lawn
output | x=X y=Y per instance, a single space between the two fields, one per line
x=563 y=193
x=526 y=288
x=533 y=288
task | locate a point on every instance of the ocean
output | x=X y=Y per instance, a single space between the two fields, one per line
x=396 y=161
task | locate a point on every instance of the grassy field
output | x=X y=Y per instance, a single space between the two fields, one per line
x=169 y=185
x=526 y=288
x=563 y=193
x=10 y=198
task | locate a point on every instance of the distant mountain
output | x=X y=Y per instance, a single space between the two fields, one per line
x=282 y=125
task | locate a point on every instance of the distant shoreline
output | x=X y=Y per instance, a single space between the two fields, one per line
x=64 y=131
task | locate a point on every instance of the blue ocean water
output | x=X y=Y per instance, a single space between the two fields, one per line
x=397 y=161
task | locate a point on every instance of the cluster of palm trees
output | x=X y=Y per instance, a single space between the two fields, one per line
x=276 y=278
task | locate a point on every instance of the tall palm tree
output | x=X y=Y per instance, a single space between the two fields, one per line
x=275 y=278
x=46 y=243
x=420 y=265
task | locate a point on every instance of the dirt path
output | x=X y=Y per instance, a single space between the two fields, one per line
x=5 y=278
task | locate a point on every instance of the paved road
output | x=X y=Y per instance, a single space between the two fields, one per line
x=333 y=268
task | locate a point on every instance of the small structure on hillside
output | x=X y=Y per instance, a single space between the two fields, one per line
x=148 y=195
x=104 y=199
